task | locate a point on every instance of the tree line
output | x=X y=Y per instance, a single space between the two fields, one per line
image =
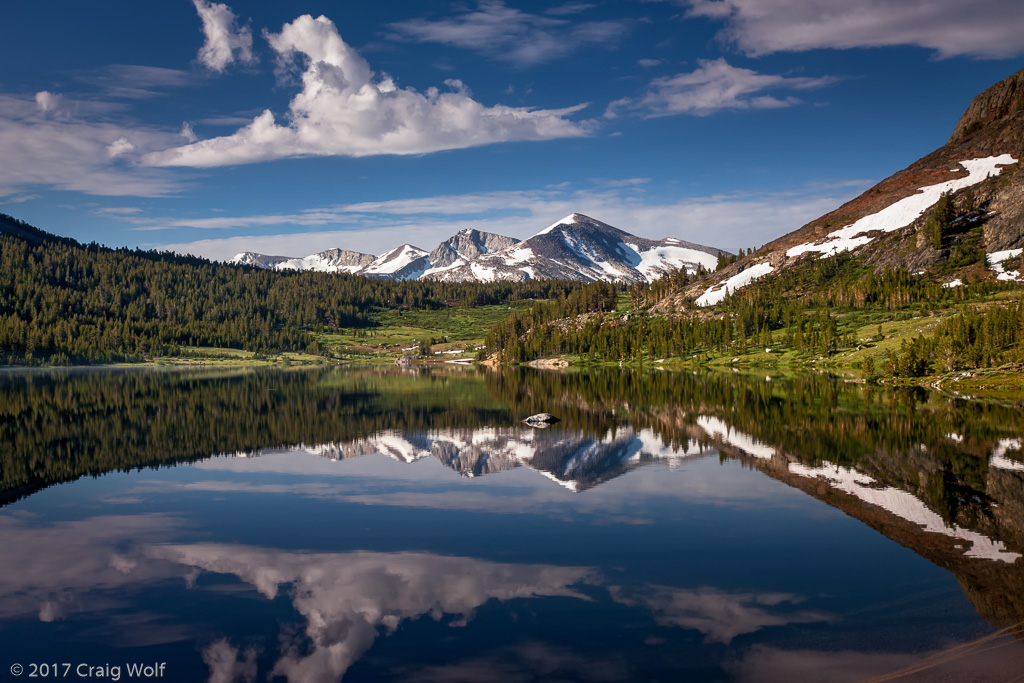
x=62 y=302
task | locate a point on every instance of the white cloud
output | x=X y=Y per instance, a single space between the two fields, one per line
x=714 y=86
x=510 y=35
x=120 y=146
x=52 y=140
x=343 y=110
x=726 y=221
x=648 y=63
x=133 y=81
x=226 y=41
x=47 y=101
x=980 y=28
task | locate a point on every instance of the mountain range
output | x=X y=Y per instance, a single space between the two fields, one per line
x=575 y=248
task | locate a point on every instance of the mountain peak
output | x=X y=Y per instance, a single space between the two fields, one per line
x=568 y=220
x=995 y=105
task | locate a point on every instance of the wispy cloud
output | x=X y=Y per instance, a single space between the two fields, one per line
x=67 y=144
x=133 y=81
x=507 y=34
x=715 y=86
x=981 y=28
x=226 y=40
x=343 y=110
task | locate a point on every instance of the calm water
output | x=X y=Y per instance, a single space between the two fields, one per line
x=372 y=525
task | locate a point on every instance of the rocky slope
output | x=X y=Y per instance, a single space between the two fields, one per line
x=887 y=225
x=465 y=246
x=576 y=248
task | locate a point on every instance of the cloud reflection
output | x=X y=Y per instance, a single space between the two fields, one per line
x=348 y=599
x=719 y=615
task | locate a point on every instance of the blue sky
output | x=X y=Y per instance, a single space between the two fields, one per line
x=288 y=128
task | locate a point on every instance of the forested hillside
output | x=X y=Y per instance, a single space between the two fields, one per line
x=814 y=311
x=62 y=302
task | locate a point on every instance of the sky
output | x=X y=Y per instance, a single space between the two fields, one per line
x=289 y=128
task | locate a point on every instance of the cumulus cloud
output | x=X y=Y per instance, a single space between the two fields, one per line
x=510 y=35
x=226 y=41
x=981 y=28
x=714 y=86
x=344 y=110
x=57 y=141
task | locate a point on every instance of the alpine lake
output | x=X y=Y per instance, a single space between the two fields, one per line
x=385 y=525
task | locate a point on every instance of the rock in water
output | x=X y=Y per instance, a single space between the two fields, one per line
x=541 y=420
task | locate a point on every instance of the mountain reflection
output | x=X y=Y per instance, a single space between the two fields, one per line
x=941 y=475
x=572 y=458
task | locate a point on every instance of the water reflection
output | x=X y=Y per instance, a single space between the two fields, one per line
x=349 y=599
x=687 y=512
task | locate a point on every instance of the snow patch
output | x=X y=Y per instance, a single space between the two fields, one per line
x=568 y=220
x=518 y=255
x=656 y=261
x=481 y=272
x=905 y=506
x=953 y=283
x=393 y=261
x=998 y=457
x=717 y=293
x=995 y=262
x=903 y=212
x=458 y=263
x=716 y=428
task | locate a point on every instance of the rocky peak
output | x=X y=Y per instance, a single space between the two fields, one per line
x=468 y=244
x=998 y=103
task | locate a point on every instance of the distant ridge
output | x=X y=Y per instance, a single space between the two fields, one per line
x=577 y=247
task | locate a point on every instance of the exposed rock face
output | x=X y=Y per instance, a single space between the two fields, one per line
x=994 y=106
x=467 y=245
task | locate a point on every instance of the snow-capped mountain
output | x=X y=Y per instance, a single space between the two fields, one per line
x=329 y=261
x=401 y=263
x=575 y=248
x=581 y=248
